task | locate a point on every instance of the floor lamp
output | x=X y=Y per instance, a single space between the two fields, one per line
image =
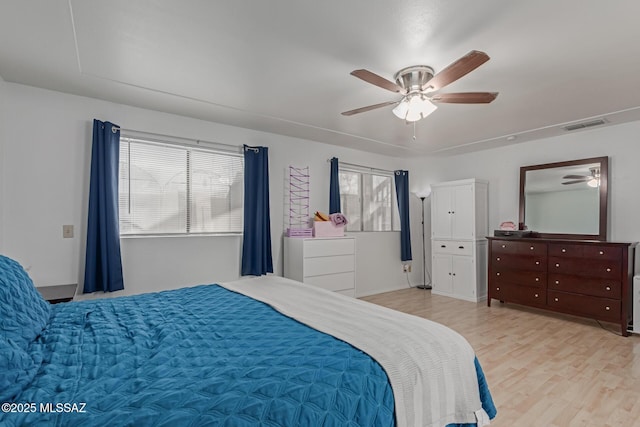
x=425 y=272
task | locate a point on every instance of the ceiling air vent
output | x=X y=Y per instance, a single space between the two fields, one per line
x=584 y=125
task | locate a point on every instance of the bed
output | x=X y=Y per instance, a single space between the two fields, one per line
x=261 y=351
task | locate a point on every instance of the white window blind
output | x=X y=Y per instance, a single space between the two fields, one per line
x=173 y=189
x=368 y=200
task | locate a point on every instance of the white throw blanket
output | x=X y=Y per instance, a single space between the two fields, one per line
x=430 y=367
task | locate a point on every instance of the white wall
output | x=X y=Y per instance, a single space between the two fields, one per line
x=45 y=140
x=501 y=166
x=46 y=168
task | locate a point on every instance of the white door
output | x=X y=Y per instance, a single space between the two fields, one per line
x=441 y=212
x=462 y=218
x=442 y=273
x=464 y=280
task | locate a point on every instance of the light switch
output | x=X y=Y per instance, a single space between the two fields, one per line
x=67 y=231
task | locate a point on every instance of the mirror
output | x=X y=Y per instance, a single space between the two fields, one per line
x=565 y=199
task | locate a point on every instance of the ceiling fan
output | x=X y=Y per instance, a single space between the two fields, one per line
x=416 y=84
x=592 y=180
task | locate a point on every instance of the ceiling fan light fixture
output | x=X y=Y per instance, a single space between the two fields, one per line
x=593 y=182
x=414 y=107
x=402 y=109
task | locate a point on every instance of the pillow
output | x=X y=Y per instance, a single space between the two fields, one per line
x=23 y=311
x=17 y=369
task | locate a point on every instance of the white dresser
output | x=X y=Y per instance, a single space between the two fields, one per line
x=459 y=225
x=329 y=263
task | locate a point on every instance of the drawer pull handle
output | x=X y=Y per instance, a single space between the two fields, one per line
x=536 y=295
x=608 y=288
x=601 y=252
x=449 y=274
x=557 y=265
x=608 y=270
x=443 y=246
x=564 y=250
x=460 y=247
x=555 y=299
x=537 y=279
x=557 y=282
x=531 y=248
x=497 y=289
x=504 y=246
x=497 y=258
x=497 y=274
x=537 y=262
x=607 y=308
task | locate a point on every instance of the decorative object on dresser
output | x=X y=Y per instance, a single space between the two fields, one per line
x=328 y=263
x=422 y=195
x=459 y=223
x=579 y=277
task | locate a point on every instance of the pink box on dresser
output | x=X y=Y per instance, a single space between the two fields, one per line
x=327 y=229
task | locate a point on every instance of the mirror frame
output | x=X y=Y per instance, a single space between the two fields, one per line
x=604 y=175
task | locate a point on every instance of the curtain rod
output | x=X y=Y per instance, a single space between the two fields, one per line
x=160 y=135
x=363 y=167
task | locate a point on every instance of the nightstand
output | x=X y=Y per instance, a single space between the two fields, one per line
x=58 y=293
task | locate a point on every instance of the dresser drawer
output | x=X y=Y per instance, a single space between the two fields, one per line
x=586 y=267
x=453 y=247
x=585 y=285
x=526 y=295
x=520 y=277
x=328 y=265
x=328 y=247
x=518 y=262
x=591 y=252
x=585 y=305
x=333 y=282
x=520 y=248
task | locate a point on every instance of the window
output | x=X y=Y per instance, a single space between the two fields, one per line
x=368 y=200
x=174 y=189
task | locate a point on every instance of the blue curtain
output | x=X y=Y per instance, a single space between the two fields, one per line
x=256 y=242
x=402 y=193
x=334 y=187
x=103 y=264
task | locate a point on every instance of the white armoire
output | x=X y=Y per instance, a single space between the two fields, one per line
x=459 y=225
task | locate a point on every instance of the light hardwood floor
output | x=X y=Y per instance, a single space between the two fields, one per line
x=543 y=369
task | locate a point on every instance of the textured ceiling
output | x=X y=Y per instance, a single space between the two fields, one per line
x=283 y=66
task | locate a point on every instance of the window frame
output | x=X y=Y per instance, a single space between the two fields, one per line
x=189 y=148
x=361 y=171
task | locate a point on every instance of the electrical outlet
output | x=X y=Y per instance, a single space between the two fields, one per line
x=67 y=231
x=406 y=268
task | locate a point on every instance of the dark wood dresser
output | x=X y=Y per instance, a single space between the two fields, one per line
x=583 y=278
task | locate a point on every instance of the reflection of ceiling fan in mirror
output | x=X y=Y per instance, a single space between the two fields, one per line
x=592 y=180
x=416 y=85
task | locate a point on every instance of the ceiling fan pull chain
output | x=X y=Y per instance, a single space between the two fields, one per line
x=414 y=131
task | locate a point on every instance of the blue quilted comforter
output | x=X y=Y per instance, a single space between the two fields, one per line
x=192 y=357
x=198 y=356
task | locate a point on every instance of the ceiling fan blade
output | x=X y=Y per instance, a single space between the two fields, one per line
x=582 y=177
x=453 y=72
x=465 y=97
x=375 y=79
x=574 y=182
x=368 y=108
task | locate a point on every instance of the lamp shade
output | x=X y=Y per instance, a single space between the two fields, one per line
x=402 y=109
x=414 y=107
x=423 y=193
